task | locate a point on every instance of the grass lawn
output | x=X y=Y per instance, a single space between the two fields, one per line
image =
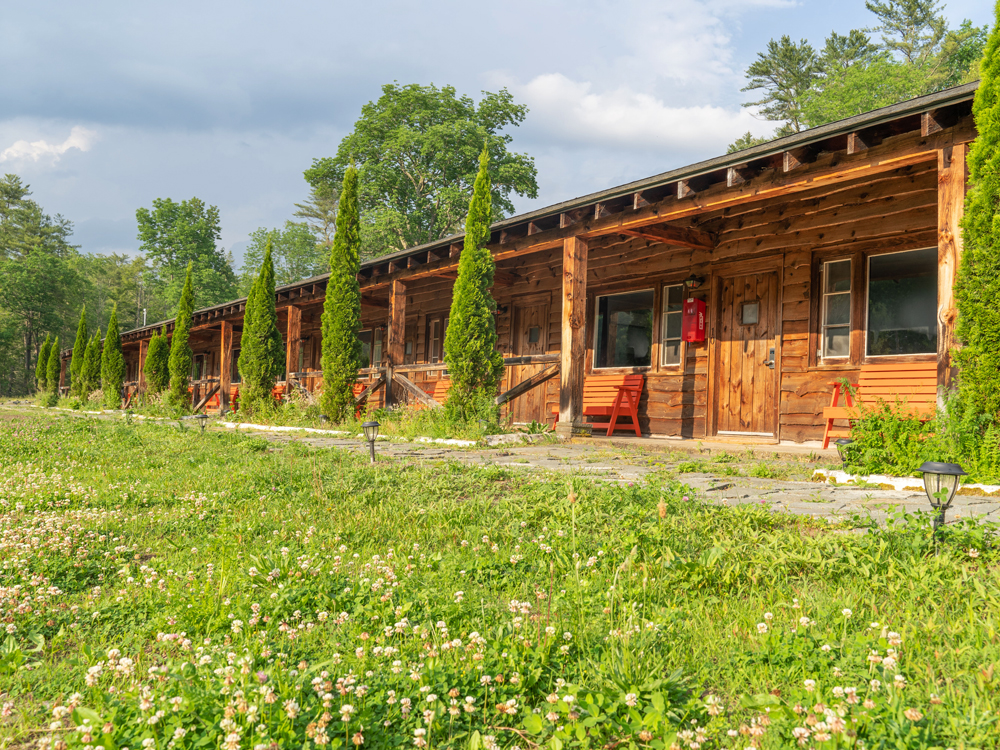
x=166 y=589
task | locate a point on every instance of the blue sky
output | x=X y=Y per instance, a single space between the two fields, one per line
x=105 y=105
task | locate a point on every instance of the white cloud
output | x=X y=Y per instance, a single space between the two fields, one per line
x=629 y=119
x=79 y=138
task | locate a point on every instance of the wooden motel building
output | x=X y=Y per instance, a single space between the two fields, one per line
x=741 y=288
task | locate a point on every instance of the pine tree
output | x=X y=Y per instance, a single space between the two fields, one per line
x=470 y=344
x=342 y=307
x=262 y=356
x=91 y=373
x=112 y=363
x=785 y=73
x=41 y=367
x=157 y=365
x=180 y=353
x=977 y=287
x=53 y=369
x=79 y=352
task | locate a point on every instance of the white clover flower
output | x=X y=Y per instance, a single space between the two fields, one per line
x=846 y=613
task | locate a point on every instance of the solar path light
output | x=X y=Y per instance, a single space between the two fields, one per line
x=940 y=485
x=371 y=432
x=842 y=444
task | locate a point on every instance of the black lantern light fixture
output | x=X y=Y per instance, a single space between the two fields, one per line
x=371 y=432
x=694 y=281
x=323 y=418
x=842 y=444
x=940 y=484
x=202 y=420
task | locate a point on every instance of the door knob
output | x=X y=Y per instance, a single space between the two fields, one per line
x=770 y=362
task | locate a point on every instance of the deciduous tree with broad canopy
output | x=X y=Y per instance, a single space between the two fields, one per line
x=180 y=236
x=417 y=150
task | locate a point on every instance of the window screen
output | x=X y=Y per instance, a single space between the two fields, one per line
x=902 y=303
x=624 y=330
x=837 y=308
x=670 y=325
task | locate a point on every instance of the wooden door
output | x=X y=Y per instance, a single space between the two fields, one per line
x=530 y=334
x=746 y=380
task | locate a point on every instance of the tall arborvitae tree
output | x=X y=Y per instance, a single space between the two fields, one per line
x=262 y=357
x=41 y=366
x=342 y=307
x=157 y=365
x=76 y=384
x=52 y=370
x=977 y=287
x=91 y=373
x=180 y=352
x=112 y=363
x=470 y=343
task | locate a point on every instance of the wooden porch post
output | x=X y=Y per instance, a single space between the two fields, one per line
x=573 y=346
x=292 y=335
x=143 y=348
x=396 y=344
x=225 y=365
x=952 y=176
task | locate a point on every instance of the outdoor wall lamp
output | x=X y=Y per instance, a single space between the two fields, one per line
x=842 y=444
x=693 y=281
x=940 y=485
x=371 y=432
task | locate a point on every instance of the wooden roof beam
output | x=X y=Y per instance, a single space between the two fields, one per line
x=639 y=200
x=797 y=157
x=695 y=239
x=412 y=262
x=380 y=304
x=454 y=250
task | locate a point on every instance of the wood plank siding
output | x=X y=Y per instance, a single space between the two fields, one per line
x=753 y=233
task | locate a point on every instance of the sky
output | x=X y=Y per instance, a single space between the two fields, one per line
x=107 y=105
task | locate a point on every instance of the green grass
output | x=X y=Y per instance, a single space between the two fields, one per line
x=218 y=590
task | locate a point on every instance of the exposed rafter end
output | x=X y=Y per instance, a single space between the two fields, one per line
x=568 y=218
x=454 y=250
x=412 y=262
x=738 y=175
x=797 y=157
x=684 y=189
x=533 y=228
x=639 y=201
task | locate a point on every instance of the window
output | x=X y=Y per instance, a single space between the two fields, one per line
x=837 y=308
x=366 y=347
x=434 y=340
x=303 y=343
x=377 y=348
x=198 y=367
x=236 y=366
x=670 y=325
x=623 y=331
x=902 y=303
x=750 y=313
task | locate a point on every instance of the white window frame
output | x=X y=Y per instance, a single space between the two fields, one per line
x=597 y=309
x=665 y=294
x=823 y=307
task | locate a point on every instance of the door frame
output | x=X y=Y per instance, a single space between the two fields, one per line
x=770 y=264
x=517 y=304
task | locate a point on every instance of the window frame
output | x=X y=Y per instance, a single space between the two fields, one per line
x=653 y=355
x=662 y=337
x=823 y=294
x=865 y=356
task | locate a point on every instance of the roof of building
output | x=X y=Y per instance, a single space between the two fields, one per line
x=867 y=120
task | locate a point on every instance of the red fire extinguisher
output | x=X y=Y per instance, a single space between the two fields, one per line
x=693 y=320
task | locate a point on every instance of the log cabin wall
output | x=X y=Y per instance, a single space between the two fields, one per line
x=771 y=219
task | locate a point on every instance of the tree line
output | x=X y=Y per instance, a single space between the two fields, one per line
x=915 y=53
x=416 y=151
x=97 y=367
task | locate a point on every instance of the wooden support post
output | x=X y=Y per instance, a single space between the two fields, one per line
x=952 y=176
x=225 y=365
x=574 y=344
x=143 y=348
x=396 y=344
x=292 y=335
